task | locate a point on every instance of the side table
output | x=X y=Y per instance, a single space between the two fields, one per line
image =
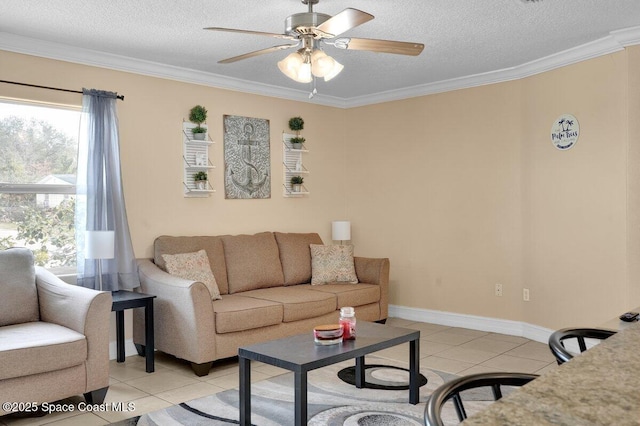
x=124 y=299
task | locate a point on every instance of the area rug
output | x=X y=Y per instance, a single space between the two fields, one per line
x=331 y=401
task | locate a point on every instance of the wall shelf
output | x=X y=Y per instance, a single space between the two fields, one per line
x=292 y=165
x=195 y=158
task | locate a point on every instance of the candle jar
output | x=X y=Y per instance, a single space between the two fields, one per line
x=348 y=323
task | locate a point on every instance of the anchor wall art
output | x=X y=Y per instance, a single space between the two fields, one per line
x=247 y=162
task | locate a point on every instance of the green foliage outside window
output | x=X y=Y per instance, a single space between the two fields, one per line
x=32 y=150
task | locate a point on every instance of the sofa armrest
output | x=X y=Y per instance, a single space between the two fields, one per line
x=375 y=271
x=183 y=315
x=83 y=310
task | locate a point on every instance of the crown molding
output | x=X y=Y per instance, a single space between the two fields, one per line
x=614 y=42
x=627 y=36
x=62 y=52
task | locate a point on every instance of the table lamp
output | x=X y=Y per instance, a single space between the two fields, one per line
x=99 y=245
x=341 y=230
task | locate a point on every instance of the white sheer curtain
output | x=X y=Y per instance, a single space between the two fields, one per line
x=100 y=199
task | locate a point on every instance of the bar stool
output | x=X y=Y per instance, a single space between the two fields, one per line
x=557 y=338
x=452 y=389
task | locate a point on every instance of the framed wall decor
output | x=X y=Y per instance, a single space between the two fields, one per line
x=247 y=158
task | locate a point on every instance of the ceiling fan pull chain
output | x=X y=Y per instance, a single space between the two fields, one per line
x=315 y=90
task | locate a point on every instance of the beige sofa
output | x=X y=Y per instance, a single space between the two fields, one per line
x=54 y=337
x=264 y=280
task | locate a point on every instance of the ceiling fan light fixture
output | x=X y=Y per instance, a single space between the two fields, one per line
x=310 y=31
x=302 y=67
x=321 y=63
x=290 y=65
x=304 y=73
x=337 y=68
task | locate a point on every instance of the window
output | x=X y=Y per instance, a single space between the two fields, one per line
x=38 y=162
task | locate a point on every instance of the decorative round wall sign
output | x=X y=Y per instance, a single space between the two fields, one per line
x=564 y=132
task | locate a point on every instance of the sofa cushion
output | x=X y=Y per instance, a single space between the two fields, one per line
x=39 y=347
x=298 y=303
x=332 y=263
x=252 y=261
x=212 y=245
x=193 y=266
x=238 y=313
x=349 y=294
x=19 y=301
x=295 y=256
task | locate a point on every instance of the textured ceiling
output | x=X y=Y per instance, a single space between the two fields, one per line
x=461 y=37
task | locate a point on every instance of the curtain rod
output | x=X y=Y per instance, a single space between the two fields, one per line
x=121 y=97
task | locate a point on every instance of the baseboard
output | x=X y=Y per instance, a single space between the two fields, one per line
x=129 y=349
x=474 y=322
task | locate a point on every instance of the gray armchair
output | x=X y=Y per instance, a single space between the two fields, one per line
x=54 y=337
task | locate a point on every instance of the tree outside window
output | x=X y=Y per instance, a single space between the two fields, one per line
x=38 y=162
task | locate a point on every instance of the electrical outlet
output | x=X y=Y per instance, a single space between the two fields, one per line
x=499 y=290
x=525 y=294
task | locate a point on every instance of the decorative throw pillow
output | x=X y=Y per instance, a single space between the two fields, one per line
x=330 y=264
x=193 y=266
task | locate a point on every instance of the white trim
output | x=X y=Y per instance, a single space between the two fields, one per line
x=614 y=42
x=627 y=36
x=37 y=188
x=474 y=322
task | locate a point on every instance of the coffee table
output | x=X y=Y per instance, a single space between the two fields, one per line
x=300 y=355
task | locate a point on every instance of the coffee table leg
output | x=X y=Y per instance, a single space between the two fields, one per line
x=301 y=398
x=360 y=372
x=245 y=391
x=414 y=370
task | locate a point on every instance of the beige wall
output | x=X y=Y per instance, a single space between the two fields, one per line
x=633 y=183
x=437 y=189
x=462 y=190
x=575 y=205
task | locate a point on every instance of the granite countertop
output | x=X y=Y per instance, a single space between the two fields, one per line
x=599 y=387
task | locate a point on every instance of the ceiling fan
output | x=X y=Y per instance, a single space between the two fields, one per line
x=310 y=31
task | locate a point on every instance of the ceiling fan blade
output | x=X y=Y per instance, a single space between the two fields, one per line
x=343 y=21
x=258 y=52
x=383 y=46
x=234 y=30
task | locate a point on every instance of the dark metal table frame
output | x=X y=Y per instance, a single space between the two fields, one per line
x=124 y=299
x=300 y=355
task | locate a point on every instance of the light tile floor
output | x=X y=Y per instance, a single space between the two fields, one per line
x=454 y=350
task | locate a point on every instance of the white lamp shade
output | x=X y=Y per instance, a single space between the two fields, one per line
x=295 y=67
x=321 y=64
x=337 y=67
x=341 y=230
x=304 y=73
x=99 y=244
x=290 y=65
x=302 y=67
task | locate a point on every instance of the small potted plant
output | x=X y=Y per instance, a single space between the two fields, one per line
x=198 y=115
x=296 y=124
x=200 y=179
x=296 y=142
x=296 y=183
x=199 y=133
